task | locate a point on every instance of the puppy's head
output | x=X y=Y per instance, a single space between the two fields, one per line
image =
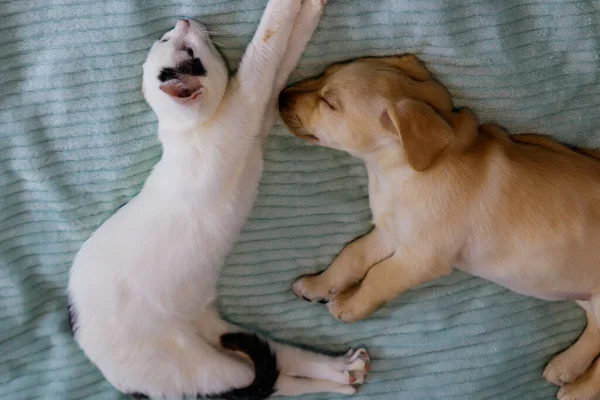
x=362 y=105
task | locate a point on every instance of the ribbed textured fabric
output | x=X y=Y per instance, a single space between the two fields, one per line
x=77 y=141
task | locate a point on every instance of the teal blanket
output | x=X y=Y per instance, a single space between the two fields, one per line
x=77 y=142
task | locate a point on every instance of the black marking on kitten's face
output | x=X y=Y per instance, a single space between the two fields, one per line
x=189 y=52
x=193 y=67
x=72 y=317
x=166 y=74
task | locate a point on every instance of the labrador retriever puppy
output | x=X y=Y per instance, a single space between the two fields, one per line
x=522 y=211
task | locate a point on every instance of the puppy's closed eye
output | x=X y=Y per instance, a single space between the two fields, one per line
x=328 y=102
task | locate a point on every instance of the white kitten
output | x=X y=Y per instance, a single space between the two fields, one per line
x=142 y=288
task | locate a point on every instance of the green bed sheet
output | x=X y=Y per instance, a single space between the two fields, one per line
x=77 y=141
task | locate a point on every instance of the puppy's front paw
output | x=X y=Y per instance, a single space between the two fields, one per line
x=311 y=288
x=564 y=368
x=348 y=308
x=579 y=390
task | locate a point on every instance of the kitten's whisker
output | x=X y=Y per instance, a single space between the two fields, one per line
x=219 y=44
x=221 y=34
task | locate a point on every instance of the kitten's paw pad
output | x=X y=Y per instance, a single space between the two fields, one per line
x=356 y=363
x=349 y=369
x=585 y=390
x=359 y=378
x=358 y=360
x=563 y=369
x=308 y=289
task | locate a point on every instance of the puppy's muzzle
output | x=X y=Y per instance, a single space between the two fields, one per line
x=284 y=100
x=286 y=110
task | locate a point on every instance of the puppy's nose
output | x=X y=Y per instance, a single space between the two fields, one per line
x=284 y=100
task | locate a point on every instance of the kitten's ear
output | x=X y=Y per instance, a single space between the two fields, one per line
x=185 y=88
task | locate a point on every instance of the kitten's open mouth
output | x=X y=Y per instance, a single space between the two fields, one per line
x=197 y=94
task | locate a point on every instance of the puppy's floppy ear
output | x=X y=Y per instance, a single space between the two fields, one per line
x=182 y=88
x=427 y=88
x=424 y=133
x=411 y=65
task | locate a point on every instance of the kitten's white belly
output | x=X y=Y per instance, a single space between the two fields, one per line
x=158 y=258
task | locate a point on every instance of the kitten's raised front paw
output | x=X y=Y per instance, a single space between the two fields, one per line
x=311 y=288
x=564 y=368
x=319 y=3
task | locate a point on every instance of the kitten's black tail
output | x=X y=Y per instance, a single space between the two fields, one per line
x=265 y=366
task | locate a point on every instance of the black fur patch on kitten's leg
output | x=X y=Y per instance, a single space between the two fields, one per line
x=72 y=316
x=266 y=371
x=137 y=395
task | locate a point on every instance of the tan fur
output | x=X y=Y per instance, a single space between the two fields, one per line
x=521 y=211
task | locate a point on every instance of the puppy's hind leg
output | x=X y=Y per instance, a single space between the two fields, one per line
x=575 y=368
x=569 y=365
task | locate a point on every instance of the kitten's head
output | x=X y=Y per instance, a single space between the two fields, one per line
x=184 y=74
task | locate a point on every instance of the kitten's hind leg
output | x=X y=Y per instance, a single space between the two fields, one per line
x=293 y=386
x=301 y=370
x=305 y=372
x=349 y=369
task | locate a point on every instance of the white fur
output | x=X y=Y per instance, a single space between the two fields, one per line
x=144 y=285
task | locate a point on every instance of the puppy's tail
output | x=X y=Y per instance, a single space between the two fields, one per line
x=265 y=366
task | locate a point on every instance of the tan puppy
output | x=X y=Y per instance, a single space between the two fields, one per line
x=521 y=211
